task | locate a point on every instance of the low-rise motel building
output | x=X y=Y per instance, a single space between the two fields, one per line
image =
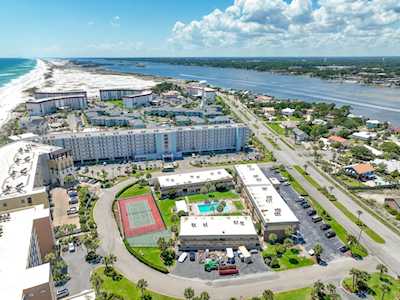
x=45 y=103
x=191 y=183
x=264 y=202
x=26 y=237
x=26 y=169
x=217 y=233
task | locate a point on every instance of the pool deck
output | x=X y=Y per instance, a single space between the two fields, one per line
x=229 y=208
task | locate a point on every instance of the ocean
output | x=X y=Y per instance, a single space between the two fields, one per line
x=382 y=103
x=12 y=68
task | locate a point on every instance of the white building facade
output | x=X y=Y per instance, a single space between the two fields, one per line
x=45 y=106
x=117 y=94
x=264 y=202
x=148 y=144
x=137 y=100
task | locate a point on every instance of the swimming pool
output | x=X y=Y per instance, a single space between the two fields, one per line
x=207 y=208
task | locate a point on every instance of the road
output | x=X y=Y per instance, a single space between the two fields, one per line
x=387 y=253
x=243 y=286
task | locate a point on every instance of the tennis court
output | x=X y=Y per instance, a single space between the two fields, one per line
x=139 y=215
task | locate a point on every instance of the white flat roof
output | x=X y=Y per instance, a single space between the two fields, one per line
x=181 y=206
x=364 y=134
x=251 y=174
x=193 y=177
x=19 y=161
x=271 y=207
x=14 y=250
x=217 y=226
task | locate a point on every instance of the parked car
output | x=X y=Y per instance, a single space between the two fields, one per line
x=72 y=210
x=311 y=212
x=71 y=247
x=73 y=193
x=325 y=226
x=311 y=252
x=300 y=199
x=62 y=293
x=330 y=234
x=286 y=183
x=344 y=249
x=305 y=205
x=231 y=261
x=192 y=256
x=182 y=257
x=73 y=200
x=316 y=219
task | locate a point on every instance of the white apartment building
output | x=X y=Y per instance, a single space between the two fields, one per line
x=217 y=233
x=209 y=94
x=141 y=99
x=26 y=168
x=191 y=183
x=148 y=144
x=264 y=202
x=26 y=237
x=50 y=94
x=45 y=106
x=118 y=93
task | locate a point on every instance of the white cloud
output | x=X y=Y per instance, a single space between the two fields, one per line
x=115 y=21
x=323 y=27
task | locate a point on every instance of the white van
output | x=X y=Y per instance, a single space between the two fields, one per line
x=182 y=257
x=71 y=247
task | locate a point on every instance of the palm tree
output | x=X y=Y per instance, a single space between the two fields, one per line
x=188 y=293
x=355 y=273
x=333 y=295
x=204 y=296
x=351 y=240
x=382 y=270
x=109 y=260
x=96 y=282
x=268 y=295
x=385 y=289
x=319 y=288
x=318 y=251
x=142 y=285
x=305 y=168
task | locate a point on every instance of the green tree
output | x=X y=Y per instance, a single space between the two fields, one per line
x=97 y=282
x=382 y=270
x=355 y=273
x=188 y=293
x=142 y=284
x=162 y=244
x=109 y=260
x=384 y=289
x=204 y=296
x=319 y=289
x=318 y=249
x=268 y=295
x=272 y=238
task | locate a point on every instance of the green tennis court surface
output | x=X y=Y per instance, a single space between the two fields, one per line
x=149 y=239
x=139 y=214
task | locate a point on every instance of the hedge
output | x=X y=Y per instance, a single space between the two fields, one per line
x=124 y=189
x=143 y=260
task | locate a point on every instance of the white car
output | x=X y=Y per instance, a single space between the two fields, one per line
x=311 y=252
x=182 y=257
x=71 y=247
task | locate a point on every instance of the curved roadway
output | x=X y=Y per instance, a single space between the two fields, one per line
x=242 y=286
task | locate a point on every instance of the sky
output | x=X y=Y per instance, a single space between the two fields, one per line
x=142 y=28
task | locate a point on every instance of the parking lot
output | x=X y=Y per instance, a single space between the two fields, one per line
x=79 y=270
x=193 y=269
x=60 y=200
x=310 y=231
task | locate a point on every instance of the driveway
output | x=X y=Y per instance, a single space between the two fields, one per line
x=245 y=286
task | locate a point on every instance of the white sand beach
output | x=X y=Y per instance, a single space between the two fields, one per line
x=63 y=78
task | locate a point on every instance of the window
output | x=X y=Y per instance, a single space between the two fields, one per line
x=30 y=200
x=4 y=204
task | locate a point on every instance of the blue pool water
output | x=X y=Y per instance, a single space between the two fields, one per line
x=207 y=208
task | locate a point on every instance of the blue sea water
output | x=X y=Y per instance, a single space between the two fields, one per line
x=382 y=103
x=11 y=68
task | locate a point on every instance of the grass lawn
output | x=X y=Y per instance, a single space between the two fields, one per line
x=374 y=284
x=290 y=259
x=351 y=182
x=125 y=288
x=276 y=128
x=118 y=103
x=212 y=196
x=372 y=234
x=238 y=205
x=134 y=190
x=300 y=294
x=166 y=207
x=151 y=254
